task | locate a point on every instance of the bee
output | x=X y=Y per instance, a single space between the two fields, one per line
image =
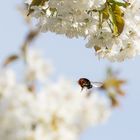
x=86 y=83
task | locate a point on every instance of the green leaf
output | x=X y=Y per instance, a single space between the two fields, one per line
x=118 y=22
x=36 y=3
x=119 y=19
x=123 y=4
x=105 y=13
x=117 y=11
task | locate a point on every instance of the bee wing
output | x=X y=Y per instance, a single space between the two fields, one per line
x=97 y=84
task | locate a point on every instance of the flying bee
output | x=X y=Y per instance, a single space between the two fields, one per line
x=86 y=83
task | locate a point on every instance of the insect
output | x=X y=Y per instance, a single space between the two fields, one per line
x=86 y=83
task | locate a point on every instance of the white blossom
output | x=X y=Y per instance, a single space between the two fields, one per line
x=37 y=68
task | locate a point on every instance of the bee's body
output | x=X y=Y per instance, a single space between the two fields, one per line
x=85 y=83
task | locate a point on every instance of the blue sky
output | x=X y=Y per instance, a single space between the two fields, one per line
x=72 y=59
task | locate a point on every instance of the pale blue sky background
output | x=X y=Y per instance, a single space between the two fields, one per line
x=72 y=59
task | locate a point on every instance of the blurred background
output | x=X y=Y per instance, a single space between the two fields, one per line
x=72 y=59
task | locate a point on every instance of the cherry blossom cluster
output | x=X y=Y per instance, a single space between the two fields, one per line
x=110 y=26
x=32 y=107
